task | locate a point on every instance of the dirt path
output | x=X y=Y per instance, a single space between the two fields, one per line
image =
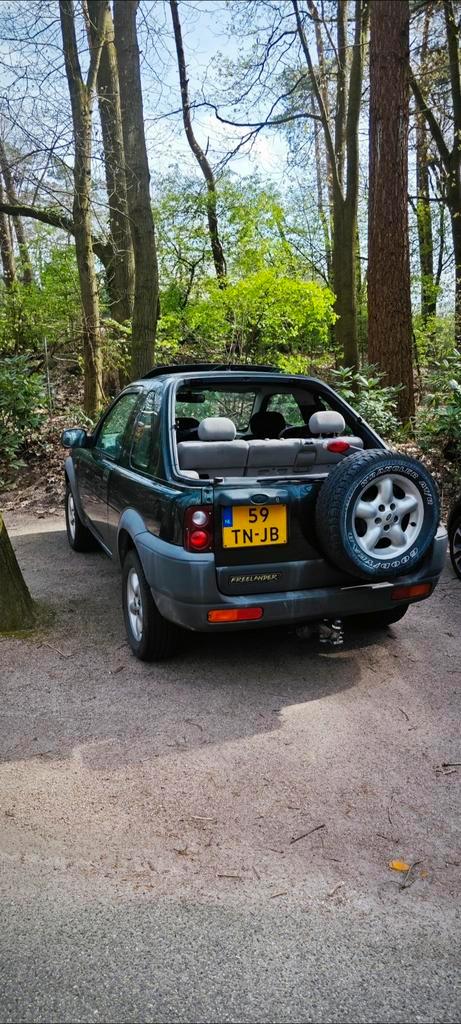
x=190 y=780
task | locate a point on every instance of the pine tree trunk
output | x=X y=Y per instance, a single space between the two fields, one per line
x=424 y=223
x=120 y=270
x=456 y=235
x=81 y=95
x=389 y=302
x=16 y=605
x=146 y=296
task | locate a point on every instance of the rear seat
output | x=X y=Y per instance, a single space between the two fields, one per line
x=219 y=453
x=216 y=453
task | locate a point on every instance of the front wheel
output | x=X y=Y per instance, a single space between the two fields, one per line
x=150 y=636
x=79 y=537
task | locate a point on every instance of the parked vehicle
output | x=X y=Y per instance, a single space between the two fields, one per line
x=240 y=497
x=454 y=535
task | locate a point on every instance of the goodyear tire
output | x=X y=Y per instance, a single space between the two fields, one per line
x=377 y=514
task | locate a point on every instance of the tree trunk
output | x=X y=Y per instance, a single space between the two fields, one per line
x=455 y=212
x=81 y=96
x=120 y=271
x=25 y=264
x=323 y=218
x=16 y=605
x=341 y=150
x=6 y=249
x=450 y=159
x=205 y=167
x=389 y=302
x=146 y=296
x=424 y=223
x=423 y=205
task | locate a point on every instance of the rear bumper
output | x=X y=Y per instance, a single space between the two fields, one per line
x=185 y=589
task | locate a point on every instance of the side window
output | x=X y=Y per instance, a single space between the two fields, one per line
x=145 y=448
x=110 y=437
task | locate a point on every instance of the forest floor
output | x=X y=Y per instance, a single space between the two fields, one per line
x=210 y=838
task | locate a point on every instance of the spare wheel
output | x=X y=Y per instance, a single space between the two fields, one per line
x=377 y=514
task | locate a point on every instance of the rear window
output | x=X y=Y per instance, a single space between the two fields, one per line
x=199 y=403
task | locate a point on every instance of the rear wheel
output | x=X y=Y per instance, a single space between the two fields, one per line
x=79 y=537
x=151 y=637
x=455 y=544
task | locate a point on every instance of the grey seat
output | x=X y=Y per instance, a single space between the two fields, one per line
x=272 y=457
x=217 y=453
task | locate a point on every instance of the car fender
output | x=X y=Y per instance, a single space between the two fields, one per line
x=132 y=523
x=71 y=478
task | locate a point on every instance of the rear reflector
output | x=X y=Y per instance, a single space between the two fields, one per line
x=235 y=614
x=337 y=446
x=409 y=593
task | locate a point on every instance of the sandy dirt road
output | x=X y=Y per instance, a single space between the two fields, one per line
x=150 y=815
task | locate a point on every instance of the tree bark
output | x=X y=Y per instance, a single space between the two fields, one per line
x=6 y=249
x=423 y=205
x=81 y=97
x=450 y=159
x=146 y=295
x=389 y=299
x=424 y=223
x=342 y=149
x=11 y=195
x=16 y=605
x=203 y=162
x=120 y=270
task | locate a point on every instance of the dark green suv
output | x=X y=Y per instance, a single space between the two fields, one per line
x=240 y=497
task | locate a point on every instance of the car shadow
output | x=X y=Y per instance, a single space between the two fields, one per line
x=77 y=691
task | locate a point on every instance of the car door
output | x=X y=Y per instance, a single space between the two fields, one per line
x=97 y=463
x=135 y=482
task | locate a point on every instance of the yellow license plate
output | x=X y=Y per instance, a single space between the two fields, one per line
x=250 y=526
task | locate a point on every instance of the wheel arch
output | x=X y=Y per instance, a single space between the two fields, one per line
x=130 y=526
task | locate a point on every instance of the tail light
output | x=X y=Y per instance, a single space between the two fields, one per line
x=337 y=446
x=235 y=614
x=198 y=528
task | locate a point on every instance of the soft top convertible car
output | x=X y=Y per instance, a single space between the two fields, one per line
x=240 y=497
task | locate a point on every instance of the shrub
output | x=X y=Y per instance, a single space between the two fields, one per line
x=438 y=419
x=369 y=396
x=21 y=407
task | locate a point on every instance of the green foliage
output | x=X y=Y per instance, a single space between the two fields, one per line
x=51 y=309
x=369 y=396
x=262 y=317
x=434 y=340
x=438 y=419
x=21 y=406
x=253 y=230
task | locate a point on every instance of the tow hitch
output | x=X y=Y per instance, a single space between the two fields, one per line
x=329 y=632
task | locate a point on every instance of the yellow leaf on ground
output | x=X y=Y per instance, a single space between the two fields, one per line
x=399 y=865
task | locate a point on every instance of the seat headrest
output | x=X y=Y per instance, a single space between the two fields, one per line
x=216 y=428
x=327 y=423
x=267 y=424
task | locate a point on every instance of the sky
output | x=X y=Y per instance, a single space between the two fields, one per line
x=206 y=35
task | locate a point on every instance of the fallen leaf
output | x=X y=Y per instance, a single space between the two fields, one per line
x=399 y=865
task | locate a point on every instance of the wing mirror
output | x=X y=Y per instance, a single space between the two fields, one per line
x=76 y=437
